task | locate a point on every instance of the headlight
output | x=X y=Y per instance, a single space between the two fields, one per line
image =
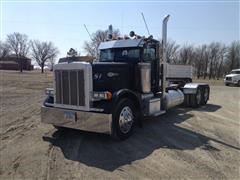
x=49 y=91
x=102 y=95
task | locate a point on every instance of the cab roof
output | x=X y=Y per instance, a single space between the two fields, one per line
x=124 y=43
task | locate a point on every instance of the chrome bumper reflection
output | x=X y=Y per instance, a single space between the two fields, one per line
x=87 y=121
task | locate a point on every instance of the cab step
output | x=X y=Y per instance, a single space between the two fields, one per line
x=159 y=113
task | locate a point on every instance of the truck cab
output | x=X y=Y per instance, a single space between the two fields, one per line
x=233 y=77
x=119 y=63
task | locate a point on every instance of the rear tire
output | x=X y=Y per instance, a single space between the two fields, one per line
x=124 y=117
x=238 y=84
x=205 y=95
x=195 y=99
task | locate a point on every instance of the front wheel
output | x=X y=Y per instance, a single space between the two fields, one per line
x=124 y=117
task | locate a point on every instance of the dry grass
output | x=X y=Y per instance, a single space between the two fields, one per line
x=185 y=143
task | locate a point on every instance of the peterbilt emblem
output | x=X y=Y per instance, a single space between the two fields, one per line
x=111 y=74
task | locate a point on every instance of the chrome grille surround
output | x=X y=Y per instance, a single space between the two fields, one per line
x=73 y=85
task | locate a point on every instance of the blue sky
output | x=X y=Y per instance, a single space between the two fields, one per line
x=62 y=21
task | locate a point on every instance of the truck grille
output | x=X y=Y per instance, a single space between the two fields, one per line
x=228 y=78
x=69 y=86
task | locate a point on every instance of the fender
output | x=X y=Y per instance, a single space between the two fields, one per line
x=127 y=93
x=135 y=97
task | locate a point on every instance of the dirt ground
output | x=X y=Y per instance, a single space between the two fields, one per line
x=203 y=143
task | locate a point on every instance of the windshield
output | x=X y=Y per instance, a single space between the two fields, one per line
x=106 y=55
x=120 y=55
x=235 y=72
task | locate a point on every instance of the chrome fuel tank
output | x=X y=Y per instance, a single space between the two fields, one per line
x=174 y=98
x=145 y=76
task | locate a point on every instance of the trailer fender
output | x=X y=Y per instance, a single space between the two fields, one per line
x=196 y=94
x=191 y=88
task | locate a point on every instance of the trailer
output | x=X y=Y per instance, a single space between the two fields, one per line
x=128 y=82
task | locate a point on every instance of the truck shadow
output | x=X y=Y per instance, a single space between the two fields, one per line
x=99 y=150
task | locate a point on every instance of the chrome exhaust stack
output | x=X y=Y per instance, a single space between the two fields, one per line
x=110 y=32
x=164 y=55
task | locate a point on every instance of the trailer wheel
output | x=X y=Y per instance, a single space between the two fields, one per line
x=124 y=117
x=205 y=95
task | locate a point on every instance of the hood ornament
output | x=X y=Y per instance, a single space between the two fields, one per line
x=112 y=74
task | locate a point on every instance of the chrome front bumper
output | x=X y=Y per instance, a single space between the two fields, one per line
x=230 y=82
x=87 y=121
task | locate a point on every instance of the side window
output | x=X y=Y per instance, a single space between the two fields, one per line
x=133 y=54
x=149 y=54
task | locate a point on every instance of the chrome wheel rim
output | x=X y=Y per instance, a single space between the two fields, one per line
x=125 y=119
x=198 y=96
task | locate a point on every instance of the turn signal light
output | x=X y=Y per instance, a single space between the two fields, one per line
x=102 y=95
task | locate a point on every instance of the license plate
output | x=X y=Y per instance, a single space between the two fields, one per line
x=70 y=116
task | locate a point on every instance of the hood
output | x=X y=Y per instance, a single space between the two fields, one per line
x=232 y=75
x=112 y=76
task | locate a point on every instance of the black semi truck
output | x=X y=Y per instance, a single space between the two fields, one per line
x=126 y=83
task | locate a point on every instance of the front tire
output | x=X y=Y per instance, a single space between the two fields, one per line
x=124 y=117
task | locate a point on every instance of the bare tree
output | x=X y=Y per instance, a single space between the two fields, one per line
x=214 y=52
x=186 y=54
x=52 y=62
x=19 y=45
x=233 y=55
x=220 y=62
x=99 y=36
x=172 y=51
x=198 y=62
x=4 y=49
x=42 y=52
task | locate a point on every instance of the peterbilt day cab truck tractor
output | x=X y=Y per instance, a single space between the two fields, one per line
x=128 y=82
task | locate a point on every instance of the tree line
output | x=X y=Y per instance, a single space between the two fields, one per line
x=213 y=60
x=19 y=44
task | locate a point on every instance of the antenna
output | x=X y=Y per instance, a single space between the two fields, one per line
x=88 y=32
x=145 y=23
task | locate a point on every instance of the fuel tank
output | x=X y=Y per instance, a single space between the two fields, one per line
x=112 y=76
x=174 y=98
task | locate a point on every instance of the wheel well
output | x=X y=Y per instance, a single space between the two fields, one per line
x=131 y=97
x=136 y=102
